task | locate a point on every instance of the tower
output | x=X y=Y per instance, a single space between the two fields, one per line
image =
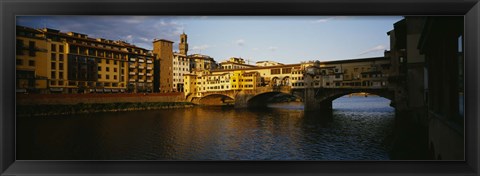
x=163 y=65
x=183 y=45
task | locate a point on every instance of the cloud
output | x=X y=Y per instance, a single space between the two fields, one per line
x=255 y=49
x=135 y=19
x=327 y=19
x=272 y=48
x=373 y=49
x=323 y=20
x=201 y=47
x=240 y=42
x=138 y=30
x=145 y=39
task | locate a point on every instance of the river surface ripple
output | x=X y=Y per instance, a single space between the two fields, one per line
x=357 y=130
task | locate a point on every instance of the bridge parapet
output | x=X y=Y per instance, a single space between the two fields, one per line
x=283 y=89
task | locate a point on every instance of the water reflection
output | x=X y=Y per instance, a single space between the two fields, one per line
x=355 y=131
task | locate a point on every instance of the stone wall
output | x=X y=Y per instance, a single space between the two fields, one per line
x=68 y=99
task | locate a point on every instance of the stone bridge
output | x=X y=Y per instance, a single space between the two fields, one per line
x=313 y=98
x=237 y=97
x=321 y=98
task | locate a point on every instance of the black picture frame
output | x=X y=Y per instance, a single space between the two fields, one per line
x=9 y=9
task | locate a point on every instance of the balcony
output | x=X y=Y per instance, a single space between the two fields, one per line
x=141 y=67
x=141 y=60
x=149 y=74
x=141 y=80
x=149 y=68
x=132 y=73
x=132 y=66
x=149 y=81
x=131 y=80
x=149 y=61
x=141 y=74
x=132 y=59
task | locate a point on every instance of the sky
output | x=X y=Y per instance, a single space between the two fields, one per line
x=285 y=39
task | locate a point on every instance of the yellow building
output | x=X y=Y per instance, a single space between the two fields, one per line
x=243 y=80
x=200 y=83
x=71 y=62
x=368 y=72
x=31 y=61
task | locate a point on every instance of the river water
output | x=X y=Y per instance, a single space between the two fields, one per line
x=357 y=130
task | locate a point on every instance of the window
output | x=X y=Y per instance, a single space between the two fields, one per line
x=107 y=69
x=275 y=71
x=108 y=62
x=114 y=76
x=53 y=74
x=31 y=63
x=60 y=75
x=60 y=57
x=53 y=57
x=54 y=48
x=53 y=65
x=60 y=66
x=115 y=70
x=286 y=70
x=60 y=48
x=99 y=68
x=99 y=76
x=31 y=48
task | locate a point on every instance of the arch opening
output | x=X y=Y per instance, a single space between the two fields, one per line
x=361 y=101
x=216 y=100
x=265 y=99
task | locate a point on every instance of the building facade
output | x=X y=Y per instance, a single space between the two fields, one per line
x=267 y=63
x=71 y=62
x=234 y=63
x=368 y=72
x=163 y=49
x=181 y=64
x=444 y=85
x=199 y=62
x=31 y=61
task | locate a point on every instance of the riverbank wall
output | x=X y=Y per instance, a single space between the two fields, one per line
x=67 y=104
x=71 y=99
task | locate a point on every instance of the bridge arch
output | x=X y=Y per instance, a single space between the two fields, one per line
x=323 y=99
x=262 y=99
x=285 y=81
x=274 y=81
x=334 y=96
x=216 y=99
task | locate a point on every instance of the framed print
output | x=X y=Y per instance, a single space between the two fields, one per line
x=235 y=88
